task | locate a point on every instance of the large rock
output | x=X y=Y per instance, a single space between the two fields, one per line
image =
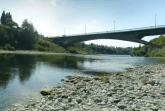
x=45 y=92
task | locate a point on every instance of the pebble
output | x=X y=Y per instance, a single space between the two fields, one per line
x=138 y=89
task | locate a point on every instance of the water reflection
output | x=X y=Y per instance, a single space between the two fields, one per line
x=22 y=75
x=23 y=65
x=12 y=65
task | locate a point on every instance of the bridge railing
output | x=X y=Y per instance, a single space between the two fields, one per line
x=141 y=28
x=116 y=31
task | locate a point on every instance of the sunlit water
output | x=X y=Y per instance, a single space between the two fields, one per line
x=23 y=76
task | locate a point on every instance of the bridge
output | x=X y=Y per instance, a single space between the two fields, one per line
x=132 y=35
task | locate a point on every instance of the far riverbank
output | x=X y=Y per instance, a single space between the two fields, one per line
x=138 y=89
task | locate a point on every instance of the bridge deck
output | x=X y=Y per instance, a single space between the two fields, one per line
x=132 y=35
x=117 y=31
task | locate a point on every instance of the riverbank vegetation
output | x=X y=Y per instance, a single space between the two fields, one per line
x=151 y=51
x=98 y=49
x=25 y=37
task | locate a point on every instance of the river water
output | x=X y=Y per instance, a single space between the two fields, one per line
x=23 y=76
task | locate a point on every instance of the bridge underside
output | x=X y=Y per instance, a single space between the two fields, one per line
x=132 y=36
x=69 y=41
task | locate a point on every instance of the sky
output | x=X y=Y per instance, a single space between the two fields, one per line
x=59 y=17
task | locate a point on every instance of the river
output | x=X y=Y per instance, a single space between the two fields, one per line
x=23 y=76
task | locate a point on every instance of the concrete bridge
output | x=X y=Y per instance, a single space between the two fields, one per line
x=132 y=35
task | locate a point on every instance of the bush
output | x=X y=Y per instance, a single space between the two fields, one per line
x=8 y=47
x=46 y=45
x=152 y=51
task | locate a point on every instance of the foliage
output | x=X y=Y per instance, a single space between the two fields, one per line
x=151 y=51
x=3 y=36
x=3 y=21
x=139 y=51
x=97 y=49
x=159 y=41
x=8 y=47
x=45 y=45
x=13 y=37
x=6 y=19
x=28 y=35
x=19 y=38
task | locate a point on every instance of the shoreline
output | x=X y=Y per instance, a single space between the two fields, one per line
x=30 y=52
x=138 y=89
x=33 y=52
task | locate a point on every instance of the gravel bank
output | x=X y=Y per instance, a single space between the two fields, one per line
x=139 y=89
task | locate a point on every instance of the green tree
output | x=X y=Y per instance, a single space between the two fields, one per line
x=26 y=25
x=6 y=19
x=9 y=20
x=28 y=35
x=3 y=18
x=150 y=50
x=159 y=41
x=4 y=37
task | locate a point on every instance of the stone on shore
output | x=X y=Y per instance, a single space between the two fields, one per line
x=45 y=92
x=141 y=89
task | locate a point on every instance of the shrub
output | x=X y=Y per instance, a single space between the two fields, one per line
x=8 y=47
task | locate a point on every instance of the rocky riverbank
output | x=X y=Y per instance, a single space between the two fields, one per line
x=139 y=89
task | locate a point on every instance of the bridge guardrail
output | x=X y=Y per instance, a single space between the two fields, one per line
x=115 y=31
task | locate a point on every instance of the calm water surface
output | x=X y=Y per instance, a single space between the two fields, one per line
x=23 y=76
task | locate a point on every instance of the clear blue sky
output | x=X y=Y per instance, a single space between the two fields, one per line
x=52 y=17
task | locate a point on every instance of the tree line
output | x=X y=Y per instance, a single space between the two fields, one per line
x=109 y=49
x=26 y=37
x=98 y=49
x=14 y=37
